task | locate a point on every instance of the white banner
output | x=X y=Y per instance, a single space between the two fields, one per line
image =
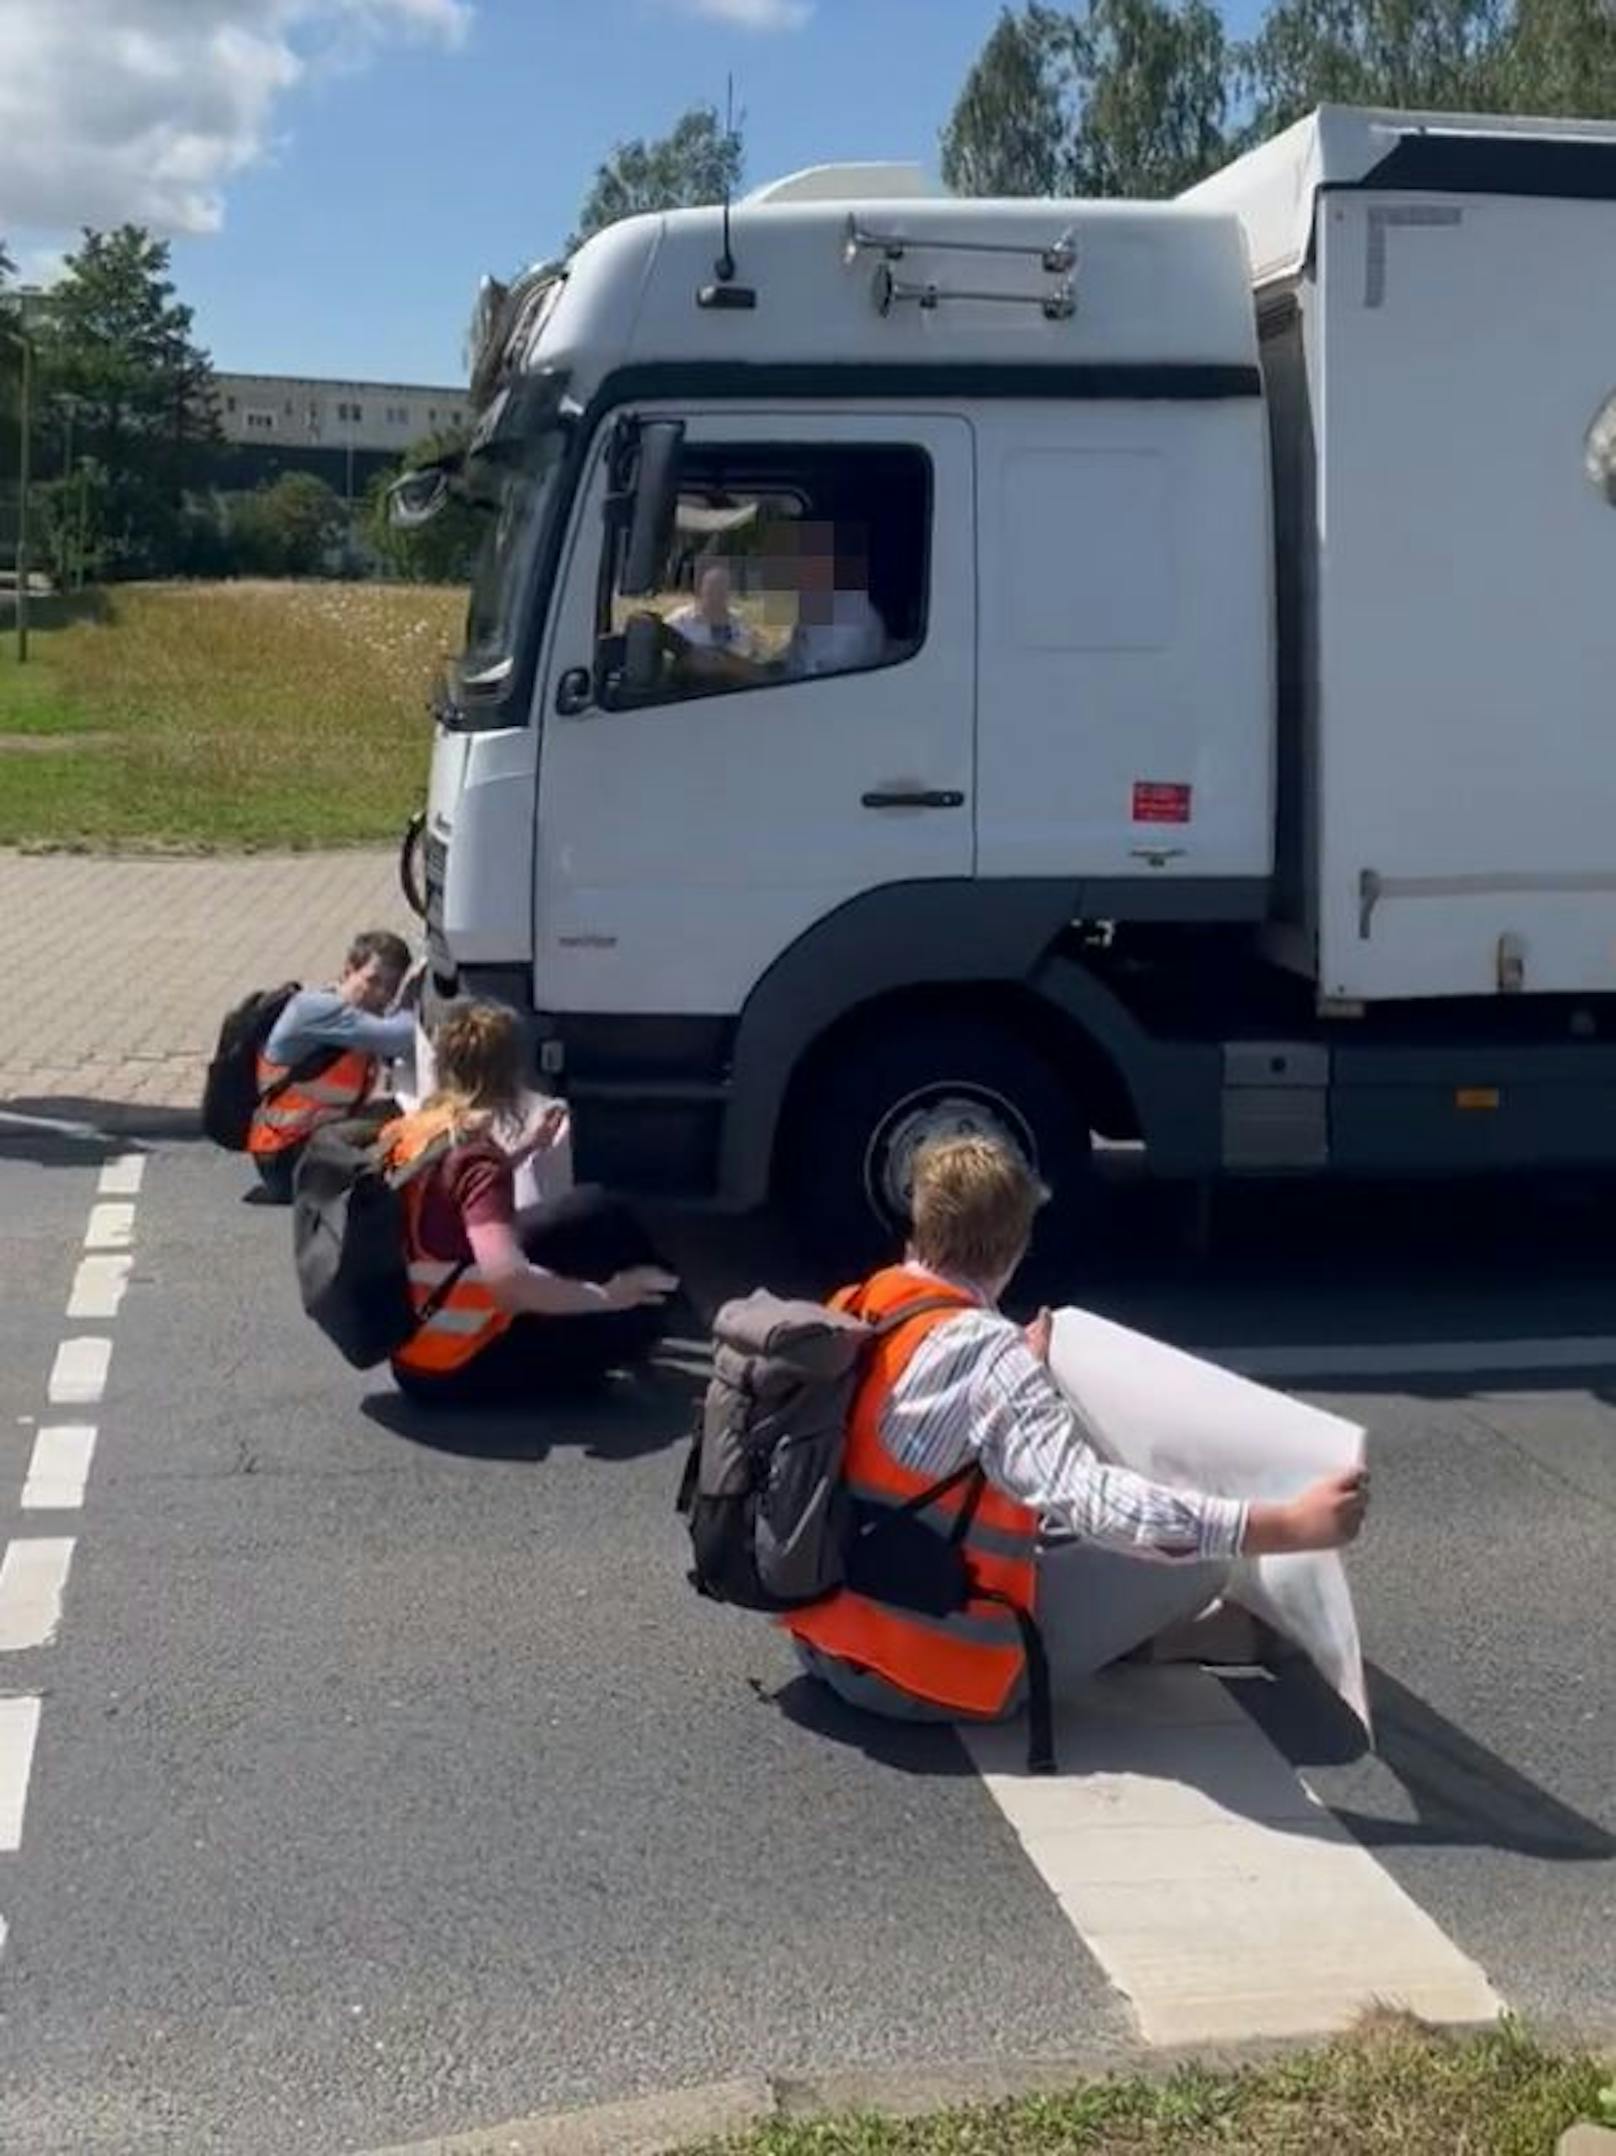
x=1192 y=1425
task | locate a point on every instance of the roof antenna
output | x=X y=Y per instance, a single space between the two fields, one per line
x=726 y=296
x=724 y=267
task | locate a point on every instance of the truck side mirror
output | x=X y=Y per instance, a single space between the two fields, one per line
x=628 y=667
x=642 y=655
x=654 y=502
x=416 y=497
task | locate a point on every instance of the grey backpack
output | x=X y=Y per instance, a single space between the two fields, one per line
x=770 y=1522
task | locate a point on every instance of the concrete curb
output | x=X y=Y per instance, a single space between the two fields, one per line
x=663 y=2123
x=644 y=2126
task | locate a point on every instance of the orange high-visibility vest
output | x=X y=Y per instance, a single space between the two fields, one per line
x=463 y=1320
x=292 y=1116
x=971 y=1661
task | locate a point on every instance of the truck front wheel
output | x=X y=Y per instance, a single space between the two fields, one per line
x=884 y=1093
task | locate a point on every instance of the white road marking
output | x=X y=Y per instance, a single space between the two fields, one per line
x=60 y=1125
x=19 y=1726
x=79 y=1374
x=99 y=1284
x=33 y=1579
x=122 y=1177
x=1218 y=1896
x=60 y=1467
x=112 y=1227
x=1415 y=1358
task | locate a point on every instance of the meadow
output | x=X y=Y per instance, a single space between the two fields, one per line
x=229 y=716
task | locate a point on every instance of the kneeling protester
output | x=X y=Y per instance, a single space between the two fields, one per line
x=795 y=1505
x=902 y=1480
x=250 y=1103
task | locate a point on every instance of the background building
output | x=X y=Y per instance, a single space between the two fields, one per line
x=344 y=431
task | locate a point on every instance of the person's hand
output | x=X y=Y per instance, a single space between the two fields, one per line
x=1039 y=1333
x=1326 y=1516
x=545 y=1127
x=641 y=1284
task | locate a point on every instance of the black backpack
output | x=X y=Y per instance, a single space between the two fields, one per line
x=230 y=1094
x=348 y=1240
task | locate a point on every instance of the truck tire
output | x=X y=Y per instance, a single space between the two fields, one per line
x=888 y=1091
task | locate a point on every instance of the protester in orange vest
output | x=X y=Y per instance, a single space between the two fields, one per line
x=516 y=1304
x=963 y=1387
x=325 y=1052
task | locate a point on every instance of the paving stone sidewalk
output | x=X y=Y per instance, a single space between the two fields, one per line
x=117 y=971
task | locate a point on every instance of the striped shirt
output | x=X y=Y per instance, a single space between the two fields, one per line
x=975 y=1386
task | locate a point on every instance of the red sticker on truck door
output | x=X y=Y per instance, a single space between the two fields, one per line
x=1154 y=802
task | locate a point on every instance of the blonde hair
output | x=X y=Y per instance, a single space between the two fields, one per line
x=478 y=1047
x=973 y=1207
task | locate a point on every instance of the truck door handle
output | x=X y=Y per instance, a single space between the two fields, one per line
x=917 y=798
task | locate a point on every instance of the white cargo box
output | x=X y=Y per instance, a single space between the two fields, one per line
x=1439 y=322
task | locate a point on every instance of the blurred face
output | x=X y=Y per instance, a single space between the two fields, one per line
x=373 y=986
x=715 y=595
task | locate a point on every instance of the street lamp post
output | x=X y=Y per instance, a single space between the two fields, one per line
x=24 y=477
x=18 y=335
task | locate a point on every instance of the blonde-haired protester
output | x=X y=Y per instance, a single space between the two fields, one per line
x=512 y=1305
x=1100 y=1558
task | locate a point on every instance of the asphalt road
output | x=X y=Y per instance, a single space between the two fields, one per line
x=390 y=1781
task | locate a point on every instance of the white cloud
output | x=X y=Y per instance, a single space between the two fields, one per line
x=145 y=109
x=753 y=14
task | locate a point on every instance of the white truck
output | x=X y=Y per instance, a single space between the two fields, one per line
x=1231 y=765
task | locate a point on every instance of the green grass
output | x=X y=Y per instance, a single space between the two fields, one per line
x=229 y=715
x=1392 y=2088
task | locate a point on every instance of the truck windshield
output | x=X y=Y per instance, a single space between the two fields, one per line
x=515 y=492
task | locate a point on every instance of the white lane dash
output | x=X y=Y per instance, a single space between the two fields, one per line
x=112 y=1227
x=19 y=1726
x=99 y=1284
x=1415 y=1358
x=122 y=1177
x=79 y=1374
x=1217 y=1895
x=59 y=1468
x=33 y=1580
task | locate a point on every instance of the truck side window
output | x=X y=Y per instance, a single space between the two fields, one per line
x=790 y=562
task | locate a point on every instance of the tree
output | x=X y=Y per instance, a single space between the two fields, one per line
x=1557 y=58
x=1551 y=57
x=305 y=521
x=288 y=528
x=1128 y=98
x=1439 y=54
x=1008 y=134
x=117 y=355
x=699 y=161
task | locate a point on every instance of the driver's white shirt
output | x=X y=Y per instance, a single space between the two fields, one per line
x=853 y=637
x=731 y=634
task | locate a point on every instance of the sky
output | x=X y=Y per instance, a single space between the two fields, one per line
x=336 y=175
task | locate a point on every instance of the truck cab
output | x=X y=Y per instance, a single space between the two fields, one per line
x=1056 y=669
x=988 y=486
